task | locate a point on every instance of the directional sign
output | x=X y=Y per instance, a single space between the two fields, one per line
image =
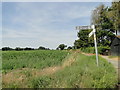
x=91 y=33
x=83 y=27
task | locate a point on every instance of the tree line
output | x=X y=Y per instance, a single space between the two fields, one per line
x=21 y=49
x=60 y=47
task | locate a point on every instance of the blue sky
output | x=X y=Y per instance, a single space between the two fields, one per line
x=34 y=24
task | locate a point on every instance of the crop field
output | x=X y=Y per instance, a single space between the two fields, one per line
x=32 y=59
x=55 y=69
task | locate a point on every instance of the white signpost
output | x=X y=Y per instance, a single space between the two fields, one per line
x=90 y=34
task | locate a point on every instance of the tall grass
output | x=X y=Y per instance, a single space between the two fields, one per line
x=82 y=74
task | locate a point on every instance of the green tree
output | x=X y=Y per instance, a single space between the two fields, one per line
x=69 y=47
x=41 y=48
x=62 y=46
x=104 y=37
x=100 y=18
x=19 y=49
x=6 y=49
x=115 y=15
x=106 y=21
x=104 y=25
x=83 y=40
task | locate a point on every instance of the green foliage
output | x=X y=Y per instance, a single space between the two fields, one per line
x=88 y=50
x=27 y=73
x=84 y=73
x=32 y=59
x=43 y=48
x=115 y=15
x=6 y=48
x=11 y=85
x=100 y=18
x=69 y=47
x=40 y=82
x=104 y=38
x=83 y=40
x=61 y=46
x=107 y=17
x=101 y=50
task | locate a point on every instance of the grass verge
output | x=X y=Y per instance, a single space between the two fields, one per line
x=82 y=74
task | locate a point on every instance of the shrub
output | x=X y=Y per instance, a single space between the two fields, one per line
x=101 y=50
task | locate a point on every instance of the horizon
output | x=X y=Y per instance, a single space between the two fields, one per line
x=47 y=24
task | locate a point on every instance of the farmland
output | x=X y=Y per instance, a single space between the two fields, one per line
x=32 y=59
x=55 y=69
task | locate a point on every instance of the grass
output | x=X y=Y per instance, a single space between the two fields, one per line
x=32 y=59
x=82 y=74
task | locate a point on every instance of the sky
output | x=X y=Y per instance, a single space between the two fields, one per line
x=48 y=24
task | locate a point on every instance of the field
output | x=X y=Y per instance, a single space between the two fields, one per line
x=32 y=59
x=55 y=69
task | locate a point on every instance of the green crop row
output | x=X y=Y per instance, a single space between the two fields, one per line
x=32 y=59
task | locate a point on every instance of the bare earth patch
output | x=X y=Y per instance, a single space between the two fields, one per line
x=88 y=54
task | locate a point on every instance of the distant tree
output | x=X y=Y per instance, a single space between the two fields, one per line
x=27 y=48
x=62 y=46
x=73 y=47
x=42 y=48
x=6 y=48
x=69 y=47
x=19 y=49
x=57 y=48
x=47 y=49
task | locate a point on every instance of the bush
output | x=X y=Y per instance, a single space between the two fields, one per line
x=101 y=50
